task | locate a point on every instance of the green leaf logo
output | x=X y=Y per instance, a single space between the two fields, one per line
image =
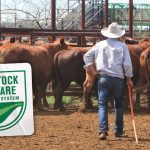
x=13 y=97
x=7 y=108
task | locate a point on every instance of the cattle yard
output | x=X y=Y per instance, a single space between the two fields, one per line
x=68 y=126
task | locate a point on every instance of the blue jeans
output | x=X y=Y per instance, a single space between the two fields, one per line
x=110 y=86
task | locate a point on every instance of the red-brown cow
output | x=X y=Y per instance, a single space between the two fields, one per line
x=41 y=60
x=144 y=75
x=135 y=52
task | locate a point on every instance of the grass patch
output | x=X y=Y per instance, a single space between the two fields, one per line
x=67 y=100
x=94 y=102
x=50 y=100
x=71 y=100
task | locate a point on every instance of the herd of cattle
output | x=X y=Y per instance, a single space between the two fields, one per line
x=61 y=64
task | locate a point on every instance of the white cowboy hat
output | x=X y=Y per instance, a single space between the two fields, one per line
x=113 y=31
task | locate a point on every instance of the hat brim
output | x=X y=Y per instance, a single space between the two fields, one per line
x=106 y=33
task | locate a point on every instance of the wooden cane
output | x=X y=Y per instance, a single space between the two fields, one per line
x=132 y=114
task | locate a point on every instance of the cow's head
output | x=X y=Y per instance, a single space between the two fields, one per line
x=129 y=40
x=12 y=39
x=62 y=43
x=58 y=45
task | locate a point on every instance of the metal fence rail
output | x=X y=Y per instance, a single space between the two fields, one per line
x=80 y=34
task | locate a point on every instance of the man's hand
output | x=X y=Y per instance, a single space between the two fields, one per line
x=129 y=82
x=90 y=69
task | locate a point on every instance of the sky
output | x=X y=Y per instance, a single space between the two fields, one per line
x=60 y=2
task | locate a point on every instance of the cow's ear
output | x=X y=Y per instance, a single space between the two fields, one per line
x=62 y=41
x=12 y=39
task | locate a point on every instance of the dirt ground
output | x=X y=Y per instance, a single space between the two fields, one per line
x=71 y=130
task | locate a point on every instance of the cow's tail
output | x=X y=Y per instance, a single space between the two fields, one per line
x=56 y=68
x=146 y=69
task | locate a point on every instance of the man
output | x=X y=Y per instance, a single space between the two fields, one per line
x=113 y=62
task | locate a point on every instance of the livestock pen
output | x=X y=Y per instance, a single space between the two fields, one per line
x=71 y=130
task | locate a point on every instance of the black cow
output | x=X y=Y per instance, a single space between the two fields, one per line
x=68 y=68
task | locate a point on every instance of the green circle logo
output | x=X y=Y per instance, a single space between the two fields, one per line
x=13 y=98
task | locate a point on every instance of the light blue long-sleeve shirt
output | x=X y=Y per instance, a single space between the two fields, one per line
x=111 y=57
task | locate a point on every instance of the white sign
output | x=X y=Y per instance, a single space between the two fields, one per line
x=16 y=102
